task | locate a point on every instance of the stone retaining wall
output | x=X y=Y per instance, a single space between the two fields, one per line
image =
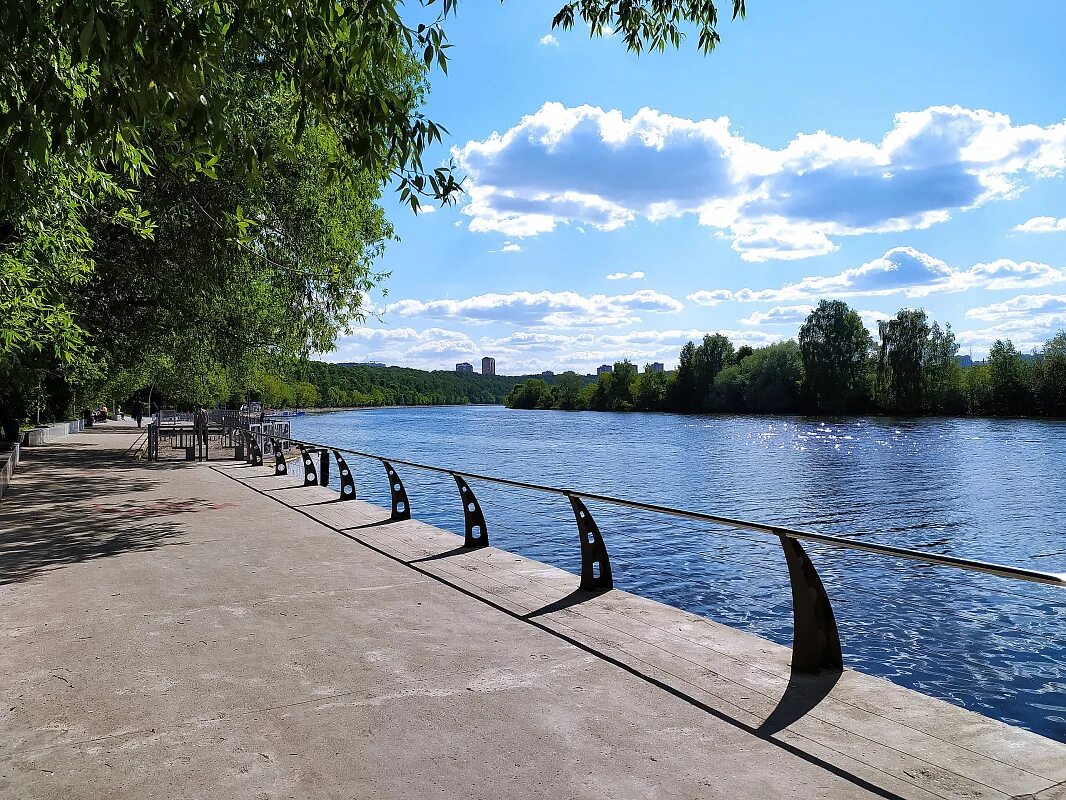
x=48 y=433
x=9 y=459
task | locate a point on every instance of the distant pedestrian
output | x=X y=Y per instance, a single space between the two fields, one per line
x=199 y=425
x=138 y=411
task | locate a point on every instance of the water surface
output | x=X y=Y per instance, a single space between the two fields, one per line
x=975 y=488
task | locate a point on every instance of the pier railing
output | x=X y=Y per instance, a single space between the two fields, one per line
x=816 y=641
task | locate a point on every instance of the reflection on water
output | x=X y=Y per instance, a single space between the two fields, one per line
x=984 y=489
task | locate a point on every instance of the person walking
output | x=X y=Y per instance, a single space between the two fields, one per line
x=199 y=429
x=138 y=411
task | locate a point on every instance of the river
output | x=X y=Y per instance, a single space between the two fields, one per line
x=978 y=488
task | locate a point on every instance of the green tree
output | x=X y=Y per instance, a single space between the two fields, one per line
x=1052 y=390
x=534 y=393
x=775 y=379
x=1011 y=394
x=943 y=375
x=685 y=395
x=568 y=386
x=651 y=390
x=712 y=355
x=304 y=394
x=835 y=347
x=902 y=360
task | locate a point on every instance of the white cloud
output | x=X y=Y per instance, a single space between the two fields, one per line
x=509 y=247
x=1023 y=306
x=586 y=166
x=625 y=276
x=533 y=351
x=429 y=348
x=794 y=316
x=527 y=351
x=778 y=315
x=901 y=270
x=1042 y=225
x=549 y=41
x=558 y=309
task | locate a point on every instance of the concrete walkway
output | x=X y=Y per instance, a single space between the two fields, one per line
x=211 y=631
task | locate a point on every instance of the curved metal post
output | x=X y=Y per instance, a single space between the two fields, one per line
x=310 y=472
x=815 y=641
x=477 y=532
x=347 y=481
x=255 y=452
x=323 y=467
x=595 y=563
x=280 y=467
x=401 y=506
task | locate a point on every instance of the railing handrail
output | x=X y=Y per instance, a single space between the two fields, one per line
x=972 y=565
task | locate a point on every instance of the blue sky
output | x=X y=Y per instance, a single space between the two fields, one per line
x=905 y=154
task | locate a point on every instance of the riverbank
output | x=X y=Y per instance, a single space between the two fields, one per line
x=212 y=630
x=377 y=408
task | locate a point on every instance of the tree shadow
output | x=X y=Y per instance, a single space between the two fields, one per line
x=72 y=502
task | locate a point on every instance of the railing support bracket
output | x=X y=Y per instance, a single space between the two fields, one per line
x=280 y=467
x=595 y=563
x=815 y=640
x=310 y=472
x=477 y=532
x=401 y=506
x=347 y=480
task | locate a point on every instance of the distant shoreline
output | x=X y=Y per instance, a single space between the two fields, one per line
x=375 y=408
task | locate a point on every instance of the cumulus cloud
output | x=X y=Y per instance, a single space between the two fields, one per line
x=778 y=315
x=587 y=166
x=427 y=347
x=559 y=309
x=794 y=316
x=509 y=247
x=549 y=41
x=1021 y=306
x=527 y=351
x=625 y=276
x=1042 y=225
x=901 y=270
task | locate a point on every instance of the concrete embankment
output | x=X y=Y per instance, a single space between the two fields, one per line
x=213 y=631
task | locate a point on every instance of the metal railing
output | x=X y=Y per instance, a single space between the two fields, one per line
x=816 y=641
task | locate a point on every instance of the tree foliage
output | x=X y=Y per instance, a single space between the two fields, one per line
x=830 y=370
x=128 y=128
x=835 y=347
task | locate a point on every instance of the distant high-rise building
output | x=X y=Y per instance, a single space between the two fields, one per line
x=602 y=368
x=656 y=366
x=464 y=367
x=964 y=361
x=488 y=366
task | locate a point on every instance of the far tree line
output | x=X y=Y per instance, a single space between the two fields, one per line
x=834 y=366
x=325 y=385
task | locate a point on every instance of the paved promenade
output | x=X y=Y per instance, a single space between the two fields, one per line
x=183 y=630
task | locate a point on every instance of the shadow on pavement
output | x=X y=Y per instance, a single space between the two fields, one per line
x=70 y=503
